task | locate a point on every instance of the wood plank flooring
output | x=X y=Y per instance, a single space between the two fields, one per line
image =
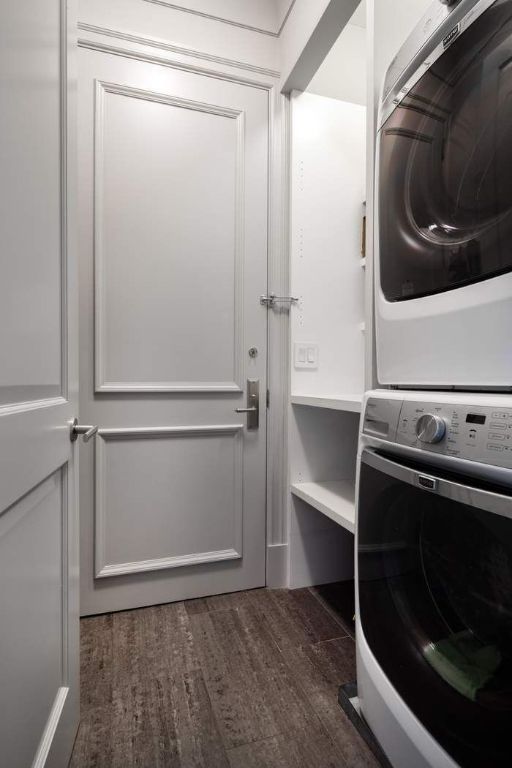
x=247 y=680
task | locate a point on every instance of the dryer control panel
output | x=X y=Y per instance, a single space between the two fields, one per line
x=474 y=432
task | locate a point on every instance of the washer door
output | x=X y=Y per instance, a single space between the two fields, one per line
x=445 y=171
x=435 y=601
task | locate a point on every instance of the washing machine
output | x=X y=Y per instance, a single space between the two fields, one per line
x=434 y=577
x=443 y=260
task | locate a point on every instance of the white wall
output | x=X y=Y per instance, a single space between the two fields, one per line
x=359 y=16
x=310 y=31
x=219 y=37
x=327 y=193
x=342 y=74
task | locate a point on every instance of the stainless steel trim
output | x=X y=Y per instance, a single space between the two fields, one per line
x=488 y=472
x=427 y=482
x=495 y=503
x=253 y=404
x=270 y=300
x=464 y=14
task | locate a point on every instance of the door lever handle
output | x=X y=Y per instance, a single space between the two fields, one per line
x=253 y=404
x=86 y=430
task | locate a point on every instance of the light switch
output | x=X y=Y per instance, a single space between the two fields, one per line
x=305 y=356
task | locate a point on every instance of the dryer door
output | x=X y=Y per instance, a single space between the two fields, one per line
x=445 y=168
x=435 y=601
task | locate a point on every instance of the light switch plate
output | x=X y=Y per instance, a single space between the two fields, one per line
x=305 y=356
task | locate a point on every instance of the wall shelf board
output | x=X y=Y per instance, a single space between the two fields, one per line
x=343 y=403
x=334 y=498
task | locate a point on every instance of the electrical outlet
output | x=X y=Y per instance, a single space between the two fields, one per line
x=305 y=356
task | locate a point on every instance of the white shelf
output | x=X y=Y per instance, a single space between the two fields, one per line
x=343 y=403
x=335 y=499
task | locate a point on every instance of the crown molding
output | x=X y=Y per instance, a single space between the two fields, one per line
x=162 y=45
x=211 y=17
x=94 y=45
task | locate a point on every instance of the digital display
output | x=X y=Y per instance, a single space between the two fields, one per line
x=475 y=418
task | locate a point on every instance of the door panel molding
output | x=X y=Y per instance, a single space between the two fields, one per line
x=104 y=569
x=101 y=384
x=40 y=760
x=160 y=563
x=28 y=517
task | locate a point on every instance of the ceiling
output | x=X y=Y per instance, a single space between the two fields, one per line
x=342 y=74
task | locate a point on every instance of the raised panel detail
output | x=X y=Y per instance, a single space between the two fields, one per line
x=167 y=497
x=32 y=568
x=168 y=243
x=31 y=203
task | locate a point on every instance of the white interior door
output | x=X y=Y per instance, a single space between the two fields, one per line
x=173 y=238
x=38 y=389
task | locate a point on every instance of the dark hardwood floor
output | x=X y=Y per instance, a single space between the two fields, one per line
x=247 y=680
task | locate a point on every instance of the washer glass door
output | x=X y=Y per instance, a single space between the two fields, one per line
x=435 y=601
x=445 y=168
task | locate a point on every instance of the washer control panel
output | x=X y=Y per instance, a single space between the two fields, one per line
x=477 y=433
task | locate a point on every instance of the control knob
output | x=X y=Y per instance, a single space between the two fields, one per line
x=430 y=428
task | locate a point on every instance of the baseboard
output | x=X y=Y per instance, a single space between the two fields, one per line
x=277 y=566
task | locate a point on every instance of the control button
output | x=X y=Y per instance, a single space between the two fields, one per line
x=491 y=436
x=500 y=415
x=498 y=426
x=492 y=447
x=430 y=428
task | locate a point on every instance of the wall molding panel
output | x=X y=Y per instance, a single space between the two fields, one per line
x=223 y=20
x=176 y=49
x=126 y=53
x=101 y=384
x=104 y=569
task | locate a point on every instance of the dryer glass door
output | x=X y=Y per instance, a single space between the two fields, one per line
x=435 y=602
x=445 y=168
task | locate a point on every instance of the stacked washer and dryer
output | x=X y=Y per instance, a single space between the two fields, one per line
x=434 y=510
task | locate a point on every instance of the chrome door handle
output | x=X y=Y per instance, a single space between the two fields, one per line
x=86 y=430
x=253 y=404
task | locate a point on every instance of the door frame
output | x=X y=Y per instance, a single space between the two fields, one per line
x=128 y=45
